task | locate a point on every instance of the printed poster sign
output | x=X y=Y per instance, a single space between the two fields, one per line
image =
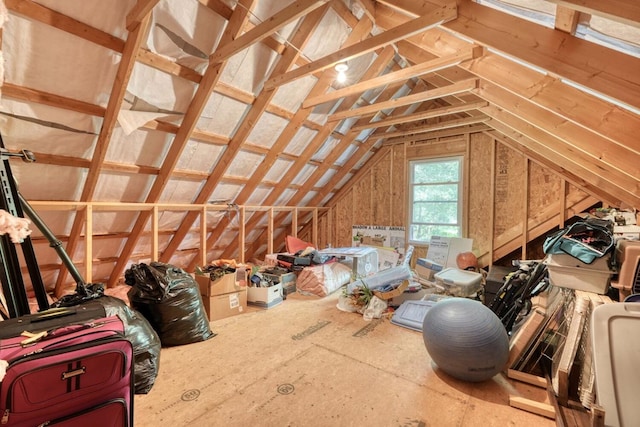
x=388 y=239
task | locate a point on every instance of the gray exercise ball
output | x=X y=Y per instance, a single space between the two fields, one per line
x=465 y=339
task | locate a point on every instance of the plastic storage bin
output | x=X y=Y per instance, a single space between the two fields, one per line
x=460 y=283
x=566 y=271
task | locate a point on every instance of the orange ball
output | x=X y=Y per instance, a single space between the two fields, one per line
x=467 y=261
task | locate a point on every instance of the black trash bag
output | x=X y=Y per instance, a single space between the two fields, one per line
x=144 y=339
x=84 y=292
x=170 y=300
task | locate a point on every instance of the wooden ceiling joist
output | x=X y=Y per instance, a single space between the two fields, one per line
x=423 y=115
x=369 y=8
x=396 y=76
x=446 y=124
x=418 y=25
x=455 y=88
x=219 y=7
x=63 y=22
x=437 y=135
x=10 y=90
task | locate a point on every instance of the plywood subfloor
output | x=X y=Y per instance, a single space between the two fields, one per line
x=306 y=363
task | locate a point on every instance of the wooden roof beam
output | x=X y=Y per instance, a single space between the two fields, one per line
x=609 y=184
x=306 y=156
x=446 y=124
x=362 y=28
x=265 y=29
x=62 y=22
x=9 y=90
x=599 y=68
x=396 y=76
x=437 y=134
x=218 y=7
x=435 y=112
x=416 y=26
x=299 y=40
x=623 y=11
x=369 y=8
x=455 y=88
x=602 y=117
x=138 y=12
x=125 y=67
x=612 y=159
x=200 y=98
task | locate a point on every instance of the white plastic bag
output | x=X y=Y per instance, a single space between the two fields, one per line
x=374 y=309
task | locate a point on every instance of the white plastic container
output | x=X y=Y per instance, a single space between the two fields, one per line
x=566 y=271
x=460 y=283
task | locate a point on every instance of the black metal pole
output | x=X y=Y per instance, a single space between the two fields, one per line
x=53 y=240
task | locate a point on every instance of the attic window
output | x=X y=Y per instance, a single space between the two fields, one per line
x=435 y=206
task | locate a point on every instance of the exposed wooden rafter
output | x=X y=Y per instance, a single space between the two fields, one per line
x=396 y=76
x=418 y=25
x=454 y=88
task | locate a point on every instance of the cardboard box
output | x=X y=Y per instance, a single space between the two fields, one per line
x=264 y=296
x=287 y=280
x=426 y=268
x=394 y=292
x=225 y=305
x=224 y=285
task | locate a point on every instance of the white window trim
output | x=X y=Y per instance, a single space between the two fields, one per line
x=461 y=186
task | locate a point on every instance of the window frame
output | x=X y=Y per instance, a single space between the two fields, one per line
x=460 y=202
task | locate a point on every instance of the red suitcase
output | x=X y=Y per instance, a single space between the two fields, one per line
x=72 y=376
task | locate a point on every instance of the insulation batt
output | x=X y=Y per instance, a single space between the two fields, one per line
x=16 y=228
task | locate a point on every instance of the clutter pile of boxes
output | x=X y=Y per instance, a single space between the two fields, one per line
x=229 y=294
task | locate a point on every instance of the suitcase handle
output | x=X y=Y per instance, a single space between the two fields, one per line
x=52 y=313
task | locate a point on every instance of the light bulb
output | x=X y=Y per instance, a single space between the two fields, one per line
x=341 y=68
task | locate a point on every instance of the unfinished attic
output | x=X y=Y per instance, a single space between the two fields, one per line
x=331 y=154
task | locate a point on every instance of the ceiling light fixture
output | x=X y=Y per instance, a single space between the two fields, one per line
x=341 y=68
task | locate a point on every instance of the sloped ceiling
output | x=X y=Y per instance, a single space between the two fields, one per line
x=236 y=102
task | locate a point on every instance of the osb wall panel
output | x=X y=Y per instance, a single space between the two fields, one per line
x=381 y=173
x=399 y=179
x=343 y=220
x=509 y=190
x=378 y=194
x=479 y=195
x=362 y=201
x=545 y=193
